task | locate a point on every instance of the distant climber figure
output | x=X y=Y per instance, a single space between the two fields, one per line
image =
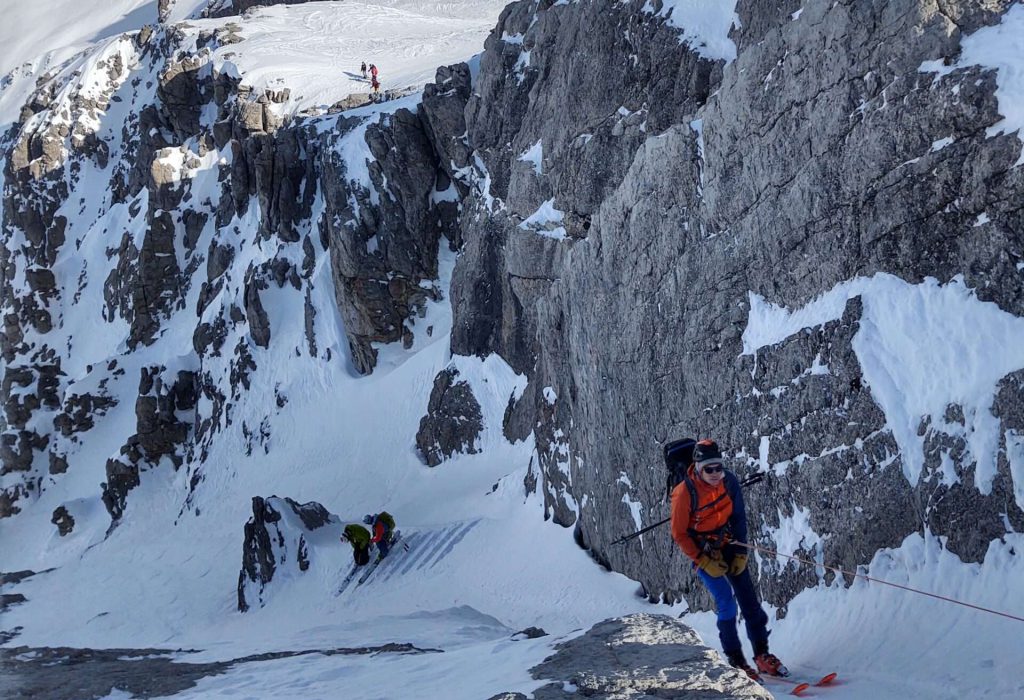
x=383 y=529
x=375 y=95
x=359 y=537
x=362 y=69
x=709 y=523
x=373 y=71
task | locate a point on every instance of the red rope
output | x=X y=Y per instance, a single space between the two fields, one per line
x=876 y=580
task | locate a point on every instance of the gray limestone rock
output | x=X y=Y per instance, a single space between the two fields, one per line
x=79 y=412
x=122 y=477
x=443 y=113
x=165 y=412
x=63 y=520
x=278 y=535
x=636 y=657
x=259 y=323
x=687 y=184
x=157 y=285
x=182 y=92
x=159 y=409
x=453 y=422
x=383 y=256
x=224 y=8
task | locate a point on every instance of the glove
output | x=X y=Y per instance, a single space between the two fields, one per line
x=712 y=565
x=738 y=565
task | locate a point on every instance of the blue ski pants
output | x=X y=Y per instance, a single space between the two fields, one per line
x=384 y=546
x=727 y=591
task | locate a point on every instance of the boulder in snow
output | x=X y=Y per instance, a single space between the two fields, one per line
x=280 y=542
x=453 y=422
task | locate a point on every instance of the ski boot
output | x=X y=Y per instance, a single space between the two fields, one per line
x=770 y=665
x=738 y=661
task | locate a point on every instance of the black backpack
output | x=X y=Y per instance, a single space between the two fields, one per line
x=678 y=458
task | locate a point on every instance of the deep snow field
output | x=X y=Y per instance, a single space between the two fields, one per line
x=482 y=563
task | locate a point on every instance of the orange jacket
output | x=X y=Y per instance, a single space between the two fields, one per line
x=714 y=510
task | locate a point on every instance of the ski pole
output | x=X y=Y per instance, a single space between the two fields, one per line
x=837 y=570
x=636 y=534
x=750 y=480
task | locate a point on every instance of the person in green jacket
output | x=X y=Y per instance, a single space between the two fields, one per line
x=359 y=537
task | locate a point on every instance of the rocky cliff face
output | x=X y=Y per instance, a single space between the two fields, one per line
x=187 y=204
x=686 y=184
x=623 y=204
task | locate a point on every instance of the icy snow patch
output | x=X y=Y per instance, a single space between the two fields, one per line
x=519 y=69
x=1015 y=456
x=1001 y=48
x=921 y=347
x=705 y=25
x=546 y=221
x=534 y=154
x=795 y=533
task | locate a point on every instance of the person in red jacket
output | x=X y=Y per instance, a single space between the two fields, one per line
x=709 y=521
x=382 y=529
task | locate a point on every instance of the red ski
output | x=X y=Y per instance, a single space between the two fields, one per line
x=801 y=686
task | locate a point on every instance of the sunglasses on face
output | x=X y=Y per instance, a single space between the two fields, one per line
x=713 y=469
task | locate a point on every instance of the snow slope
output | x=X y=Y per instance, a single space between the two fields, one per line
x=316 y=48
x=482 y=562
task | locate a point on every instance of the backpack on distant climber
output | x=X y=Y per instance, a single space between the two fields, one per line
x=678 y=457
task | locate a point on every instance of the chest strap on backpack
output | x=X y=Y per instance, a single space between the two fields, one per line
x=708 y=540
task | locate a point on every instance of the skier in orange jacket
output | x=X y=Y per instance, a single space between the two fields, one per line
x=709 y=519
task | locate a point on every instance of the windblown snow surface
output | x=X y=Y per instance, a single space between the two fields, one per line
x=482 y=562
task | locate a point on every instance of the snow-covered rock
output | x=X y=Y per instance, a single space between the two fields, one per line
x=638 y=656
x=453 y=422
x=281 y=539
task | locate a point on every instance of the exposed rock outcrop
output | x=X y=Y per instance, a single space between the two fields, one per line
x=682 y=185
x=64 y=521
x=162 y=433
x=223 y=8
x=279 y=535
x=634 y=657
x=186 y=118
x=453 y=422
x=384 y=253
